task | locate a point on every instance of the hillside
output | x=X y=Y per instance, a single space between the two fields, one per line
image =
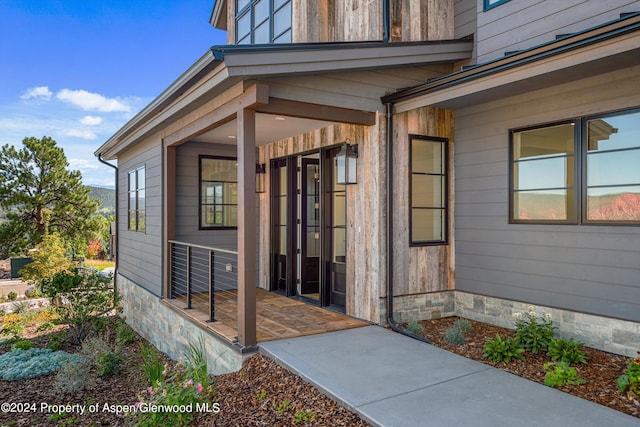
x=107 y=197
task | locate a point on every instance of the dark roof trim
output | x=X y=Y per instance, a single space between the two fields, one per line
x=626 y=24
x=219 y=52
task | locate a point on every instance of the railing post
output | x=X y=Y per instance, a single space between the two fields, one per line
x=211 y=284
x=171 y=269
x=188 y=277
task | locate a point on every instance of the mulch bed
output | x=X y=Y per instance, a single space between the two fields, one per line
x=242 y=401
x=600 y=372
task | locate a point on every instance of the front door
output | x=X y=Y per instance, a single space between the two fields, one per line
x=308 y=229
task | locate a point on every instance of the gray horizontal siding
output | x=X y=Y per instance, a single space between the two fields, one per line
x=584 y=268
x=519 y=24
x=140 y=256
x=465 y=18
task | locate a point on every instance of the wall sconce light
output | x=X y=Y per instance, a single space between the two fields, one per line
x=261 y=171
x=346 y=169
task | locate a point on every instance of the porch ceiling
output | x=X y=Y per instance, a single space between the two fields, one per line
x=269 y=128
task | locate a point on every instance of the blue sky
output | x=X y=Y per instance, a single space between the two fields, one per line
x=77 y=70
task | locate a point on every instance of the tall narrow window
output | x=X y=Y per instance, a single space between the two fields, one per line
x=263 y=21
x=543 y=174
x=137 y=200
x=428 y=190
x=218 y=192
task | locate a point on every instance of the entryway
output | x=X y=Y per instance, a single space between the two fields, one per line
x=308 y=229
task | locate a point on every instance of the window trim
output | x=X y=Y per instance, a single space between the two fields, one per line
x=488 y=6
x=580 y=172
x=136 y=191
x=201 y=157
x=445 y=176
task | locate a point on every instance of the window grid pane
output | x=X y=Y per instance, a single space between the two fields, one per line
x=218 y=192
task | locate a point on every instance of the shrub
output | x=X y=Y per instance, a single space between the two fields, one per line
x=534 y=333
x=566 y=351
x=95 y=250
x=503 y=350
x=12 y=296
x=152 y=365
x=464 y=325
x=560 y=374
x=22 y=345
x=415 y=327
x=180 y=388
x=80 y=300
x=284 y=406
x=12 y=324
x=629 y=381
x=303 y=417
x=49 y=259
x=124 y=334
x=104 y=357
x=20 y=307
x=73 y=376
x=454 y=336
x=21 y=364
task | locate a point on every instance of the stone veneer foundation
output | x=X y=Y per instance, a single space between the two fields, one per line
x=171 y=332
x=604 y=333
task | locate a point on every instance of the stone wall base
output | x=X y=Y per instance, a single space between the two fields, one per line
x=170 y=332
x=604 y=333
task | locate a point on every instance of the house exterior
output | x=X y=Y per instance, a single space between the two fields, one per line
x=494 y=145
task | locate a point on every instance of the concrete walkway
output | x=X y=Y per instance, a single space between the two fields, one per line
x=392 y=380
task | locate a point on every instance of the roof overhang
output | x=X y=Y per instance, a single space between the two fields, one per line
x=218 y=17
x=609 y=47
x=224 y=67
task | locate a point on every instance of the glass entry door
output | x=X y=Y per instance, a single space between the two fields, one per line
x=308 y=229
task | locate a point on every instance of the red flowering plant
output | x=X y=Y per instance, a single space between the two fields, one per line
x=629 y=381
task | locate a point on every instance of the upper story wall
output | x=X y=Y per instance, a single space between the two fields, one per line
x=352 y=20
x=521 y=24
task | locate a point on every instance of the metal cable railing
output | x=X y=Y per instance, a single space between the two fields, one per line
x=199 y=272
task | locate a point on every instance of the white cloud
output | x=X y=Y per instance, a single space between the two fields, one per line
x=41 y=93
x=92 y=101
x=83 y=164
x=84 y=134
x=91 y=120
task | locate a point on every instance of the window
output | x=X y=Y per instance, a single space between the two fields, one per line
x=137 y=200
x=490 y=4
x=218 y=192
x=428 y=190
x=263 y=21
x=582 y=171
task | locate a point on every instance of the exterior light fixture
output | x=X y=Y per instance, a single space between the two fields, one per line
x=346 y=170
x=261 y=171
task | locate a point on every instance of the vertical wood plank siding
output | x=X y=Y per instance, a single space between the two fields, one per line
x=590 y=269
x=425 y=268
x=140 y=257
x=517 y=25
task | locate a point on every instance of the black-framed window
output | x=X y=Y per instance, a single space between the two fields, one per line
x=580 y=171
x=218 y=192
x=263 y=21
x=137 y=200
x=490 y=4
x=428 y=200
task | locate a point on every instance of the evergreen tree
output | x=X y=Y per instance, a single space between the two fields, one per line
x=37 y=190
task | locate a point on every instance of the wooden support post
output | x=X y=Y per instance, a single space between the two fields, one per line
x=246 y=122
x=169 y=216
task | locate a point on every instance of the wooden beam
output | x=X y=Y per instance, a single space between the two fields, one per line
x=169 y=212
x=246 y=122
x=253 y=97
x=307 y=110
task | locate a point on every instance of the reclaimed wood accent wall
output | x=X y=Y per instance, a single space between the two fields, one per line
x=424 y=268
x=366 y=252
x=362 y=20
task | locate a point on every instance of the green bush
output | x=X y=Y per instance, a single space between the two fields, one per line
x=21 y=364
x=80 y=300
x=124 y=334
x=12 y=296
x=152 y=365
x=454 y=336
x=415 y=327
x=503 y=350
x=533 y=332
x=629 y=381
x=566 y=351
x=49 y=258
x=464 y=325
x=102 y=355
x=560 y=374
x=22 y=345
